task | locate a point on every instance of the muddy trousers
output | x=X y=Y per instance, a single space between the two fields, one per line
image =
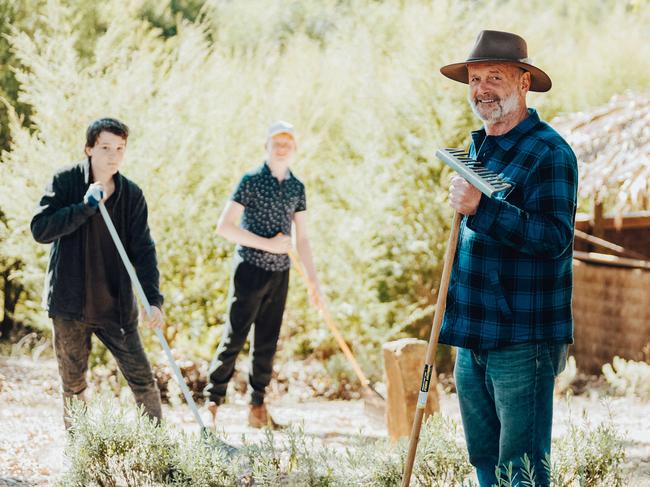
x=256 y=296
x=72 y=346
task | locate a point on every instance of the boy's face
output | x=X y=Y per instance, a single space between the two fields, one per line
x=281 y=148
x=107 y=153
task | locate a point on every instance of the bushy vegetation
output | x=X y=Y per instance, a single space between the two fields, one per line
x=589 y=456
x=628 y=378
x=198 y=84
x=120 y=446
x=112 y=445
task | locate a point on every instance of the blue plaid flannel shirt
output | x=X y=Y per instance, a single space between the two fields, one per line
x=512 y=277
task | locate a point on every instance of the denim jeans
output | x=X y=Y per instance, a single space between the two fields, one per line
x=506 y=404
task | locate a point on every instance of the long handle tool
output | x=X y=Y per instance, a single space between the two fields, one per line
x=331 y=324
x=147 y=307
x=488 y=183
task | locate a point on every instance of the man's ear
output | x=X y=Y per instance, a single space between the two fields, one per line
x=87 y=150
x=524 y=82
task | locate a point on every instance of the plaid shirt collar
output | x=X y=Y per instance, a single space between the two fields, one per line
x=508 y=140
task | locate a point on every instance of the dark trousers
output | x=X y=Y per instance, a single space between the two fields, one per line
x=256 y=296
x=72 y=346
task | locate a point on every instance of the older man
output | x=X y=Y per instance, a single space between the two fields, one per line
x=509 y=301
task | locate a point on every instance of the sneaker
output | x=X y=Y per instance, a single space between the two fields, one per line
x=259 y=417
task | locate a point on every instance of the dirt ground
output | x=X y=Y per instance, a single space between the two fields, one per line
x=32 y=438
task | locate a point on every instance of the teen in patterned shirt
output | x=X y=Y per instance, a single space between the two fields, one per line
x=267 y=200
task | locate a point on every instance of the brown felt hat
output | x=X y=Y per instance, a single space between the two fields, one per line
x=499 y=47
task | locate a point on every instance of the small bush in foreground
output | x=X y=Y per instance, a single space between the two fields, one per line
x=628 y=378
x=589 y=456
x=113 y=445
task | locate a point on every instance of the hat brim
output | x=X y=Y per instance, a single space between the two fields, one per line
x=540 y=81
x=278 y=132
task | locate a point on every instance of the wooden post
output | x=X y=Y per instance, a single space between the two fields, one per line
x=599 y=220
x=403 y=362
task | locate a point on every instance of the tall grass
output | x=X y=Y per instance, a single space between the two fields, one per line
x=360 y=81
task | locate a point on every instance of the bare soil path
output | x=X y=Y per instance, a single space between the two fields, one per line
x=32 y=439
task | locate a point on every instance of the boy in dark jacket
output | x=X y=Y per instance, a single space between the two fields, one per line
x=87 y=289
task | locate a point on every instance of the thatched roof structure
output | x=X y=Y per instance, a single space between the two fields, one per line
x=613 y=148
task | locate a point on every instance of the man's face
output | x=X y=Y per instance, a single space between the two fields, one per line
x=107 y=153
x=496 y=90
x=281 y=148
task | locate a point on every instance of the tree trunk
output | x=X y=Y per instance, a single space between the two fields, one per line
x=12 y=291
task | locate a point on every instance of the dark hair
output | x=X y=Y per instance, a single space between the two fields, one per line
x=105 y=125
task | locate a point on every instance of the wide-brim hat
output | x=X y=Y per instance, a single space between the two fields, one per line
x=499 y=47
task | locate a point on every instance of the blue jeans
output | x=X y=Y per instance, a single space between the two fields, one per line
x=506 y=403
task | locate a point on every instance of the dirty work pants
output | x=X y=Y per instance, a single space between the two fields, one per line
x=256 y=296
x=72 y=346
x=506 y=404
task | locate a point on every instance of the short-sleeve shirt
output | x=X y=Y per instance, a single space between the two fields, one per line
x=269 y=207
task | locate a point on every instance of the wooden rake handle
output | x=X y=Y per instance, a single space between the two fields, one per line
x=331 y=324
x=429 y=361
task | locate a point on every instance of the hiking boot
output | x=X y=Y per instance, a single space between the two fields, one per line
x=212 y=407
x=259 y=417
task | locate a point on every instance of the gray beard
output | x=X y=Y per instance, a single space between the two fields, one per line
x=502 y=110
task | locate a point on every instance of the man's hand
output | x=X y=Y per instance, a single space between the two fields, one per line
x=280 y=244
x=463 y=197
x=94 y=195
x=157 y=318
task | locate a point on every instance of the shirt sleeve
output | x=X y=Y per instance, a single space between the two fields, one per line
x=544 y=226
x=242 y=193
x=302 y=200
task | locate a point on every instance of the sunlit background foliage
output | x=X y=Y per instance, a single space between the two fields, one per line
x=198 y=82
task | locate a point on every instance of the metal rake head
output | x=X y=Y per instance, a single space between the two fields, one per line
x=486 y=181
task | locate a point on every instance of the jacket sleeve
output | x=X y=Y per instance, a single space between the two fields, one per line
x=142 y=251
x=56 y=216
x=545 y=227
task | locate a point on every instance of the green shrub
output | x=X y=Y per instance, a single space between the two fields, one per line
x=628 y=378
x=360 y=81
x=589 y=456
x=111 y=444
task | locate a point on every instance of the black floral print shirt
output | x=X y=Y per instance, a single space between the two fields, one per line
x=269 y=206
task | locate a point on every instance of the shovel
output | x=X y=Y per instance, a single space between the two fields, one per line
x=205 y=432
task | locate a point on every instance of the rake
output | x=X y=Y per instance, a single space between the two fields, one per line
x=331 y=324
x=205 y=432
x=488 y=183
